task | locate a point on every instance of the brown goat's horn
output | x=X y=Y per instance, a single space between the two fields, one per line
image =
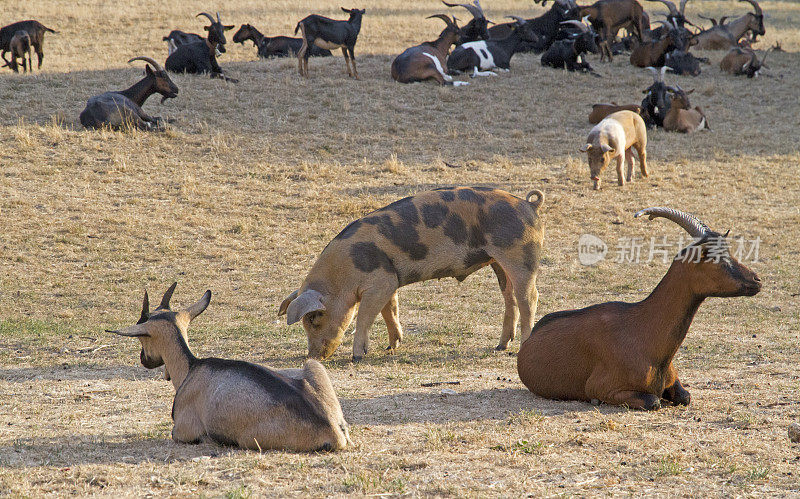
x=673 y=11
x=148 y=60
x=690 y=223
x=445 y=18
x=476 y=11
x=683 y=6
x=211 y=19
x=713 y=21
x=755 y=6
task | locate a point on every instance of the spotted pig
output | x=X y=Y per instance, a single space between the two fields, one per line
x=449 y=232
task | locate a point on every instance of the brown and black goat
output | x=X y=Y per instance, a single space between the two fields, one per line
x=476 y=29
x=681 y=117
x=35 y=31
x=233 y=402
x=20 y=48
x=723 y=36
x=610 y=16
x=124 y=108
x=449 y=232
x=739 y=61
x=330 y=34
x=427 y=60
x=621 y=353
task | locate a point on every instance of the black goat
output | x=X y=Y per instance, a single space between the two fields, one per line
x=274 y=46
x=682 y=62
x=35 y=30
x=201 y=56
x=124 y=108
x=544 y=28
x=656 y=103
x=474 y=30
x=568 y=54
x=483 y=56
x=176 y=38
x=330 y=34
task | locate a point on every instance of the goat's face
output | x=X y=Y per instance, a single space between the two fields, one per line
x=587 y=42
x=680 y=99
x=756 y=24
x=243 y=34
x=715 y=272
x=163 y=83
x=216 y=35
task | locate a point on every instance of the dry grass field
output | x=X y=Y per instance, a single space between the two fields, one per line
x=252 y=180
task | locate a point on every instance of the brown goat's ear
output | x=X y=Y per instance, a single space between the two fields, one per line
x=199 y=306
x=345 y=10
x=285 y=303
x=585 y=147
x=227 y=28
x=132 y=331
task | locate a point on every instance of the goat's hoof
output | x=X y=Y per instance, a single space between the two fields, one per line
x=595 y=402
x=500 y=347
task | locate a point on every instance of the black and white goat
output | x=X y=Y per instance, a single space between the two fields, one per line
x=330 y=34
x=200 y=57
x=476 y=29
x=568 y=53
x=484 y=56
x=124 y=108
x=426 y=61
x=656 y=102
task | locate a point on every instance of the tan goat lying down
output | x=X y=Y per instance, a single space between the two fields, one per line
x=614 y=138
x=621 y=353
x=234 y=402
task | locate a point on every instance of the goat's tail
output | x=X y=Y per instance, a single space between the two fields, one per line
x=296 y=28
x=539 y=198
x=47 y=29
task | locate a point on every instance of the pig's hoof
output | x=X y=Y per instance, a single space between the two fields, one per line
x=357 y=358
x=501 y=347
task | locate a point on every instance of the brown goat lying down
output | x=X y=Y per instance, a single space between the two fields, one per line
x=233 y=402
x=621 y=353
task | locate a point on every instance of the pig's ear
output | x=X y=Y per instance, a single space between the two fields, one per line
x=306 y=302
x=606 y=148
x=585 y=147
x=285 y=303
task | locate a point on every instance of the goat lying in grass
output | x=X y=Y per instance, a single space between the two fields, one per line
x=124 y=108
x=621 y=353
x=426 y=61
x=233 y=402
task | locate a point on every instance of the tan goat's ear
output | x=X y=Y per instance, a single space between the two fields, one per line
x=305 y=303
x=285 y=303
x=135 y=330
x=199 y=306
x=167 y=296
x=585 y=147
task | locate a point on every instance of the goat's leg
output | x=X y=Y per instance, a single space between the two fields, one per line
x=373 y=299
x=347 y=61
x=187 y=428
x=391 y=315
x=511 y=315
x=39 y=54
x=629 y=161
x=635 y=400
x=353 y=60
x=620 y=159
x=674 y=392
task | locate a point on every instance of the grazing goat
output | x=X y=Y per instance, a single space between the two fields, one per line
x=427 y=60
x=682 y=62
x=475 y=29
x=723 y=36
x=610 y=16
x=233 y=402
x=449 y=232
x=124 y=108
x=615 y=137
x=176 y=38
x=621 y=353
x=275 y=46
x=20 y=46
x=483 y=56
x=739 y=61
x=568 y=54
x=330 y=34
x=681 y=117
x=35 y=31
x=200 y=57
x=543 y=28
x=656 y=101
x=600 y=111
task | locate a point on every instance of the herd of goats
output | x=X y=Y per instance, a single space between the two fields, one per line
x=616 y=353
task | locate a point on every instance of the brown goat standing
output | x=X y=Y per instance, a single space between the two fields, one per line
x=621 y=353
x=610 y=16
x=449 y=232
